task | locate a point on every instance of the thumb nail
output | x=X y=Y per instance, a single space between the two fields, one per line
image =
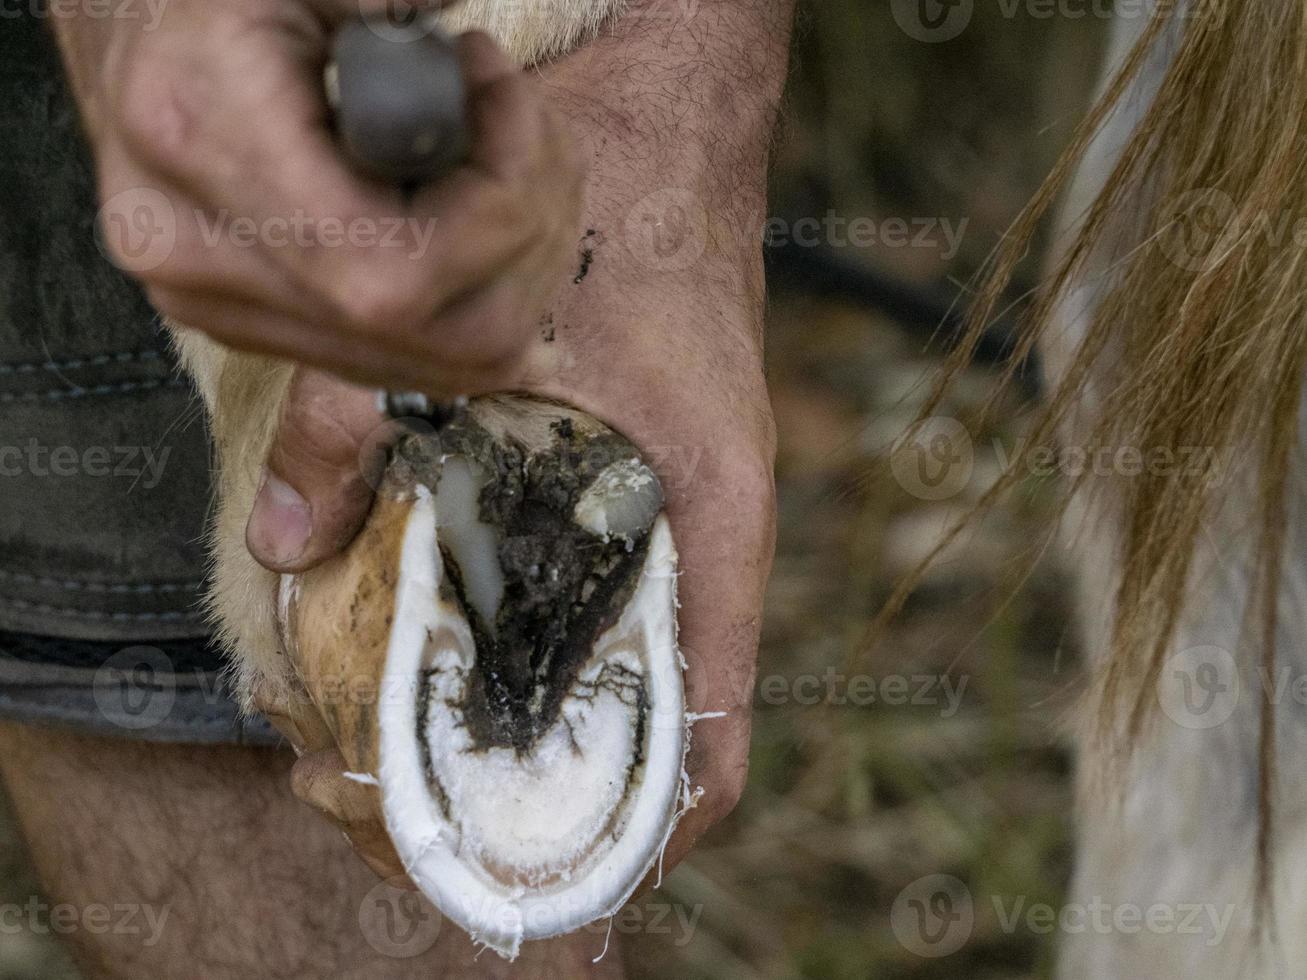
x=280 y=524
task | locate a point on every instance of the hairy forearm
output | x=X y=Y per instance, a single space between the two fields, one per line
x=679 y=90
x=677 y=105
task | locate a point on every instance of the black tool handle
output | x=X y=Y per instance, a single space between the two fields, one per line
x=400 y=101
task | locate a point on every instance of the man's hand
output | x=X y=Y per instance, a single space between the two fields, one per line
x=227 y=197
x=655 y=327
x=659 y=336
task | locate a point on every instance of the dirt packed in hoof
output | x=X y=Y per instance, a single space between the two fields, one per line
x=563 y=584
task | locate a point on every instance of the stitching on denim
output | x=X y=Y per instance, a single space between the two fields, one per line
x=66 y=394
x=41 y=607
x=111 y=588
x=77 y=363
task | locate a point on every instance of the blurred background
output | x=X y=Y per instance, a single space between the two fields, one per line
x=909 y=801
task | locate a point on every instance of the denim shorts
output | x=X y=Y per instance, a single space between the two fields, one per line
x=104 y=458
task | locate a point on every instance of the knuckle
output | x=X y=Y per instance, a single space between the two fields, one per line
x=378 y=301
x=158 y=118
x=168 y=303
x=466 y=342
x=507 y=203
x=137 y=229
x=752 y=481
x=178 y=304
x=177 y=279
x=505 y=95
x=316 y=434
x=307 y=783
x=723 y=791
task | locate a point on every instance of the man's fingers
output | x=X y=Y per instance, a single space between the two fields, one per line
x=507 y=122
x=272 y=167
x=724 y=521
x=229 y=189
x=319 y=780
x=254 y=327
x=247 y=135
x=482 y=61
x=314 y=495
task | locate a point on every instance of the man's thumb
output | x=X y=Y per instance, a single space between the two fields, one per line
x=314 y=495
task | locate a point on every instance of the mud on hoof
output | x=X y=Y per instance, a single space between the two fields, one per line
x=511 y=602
